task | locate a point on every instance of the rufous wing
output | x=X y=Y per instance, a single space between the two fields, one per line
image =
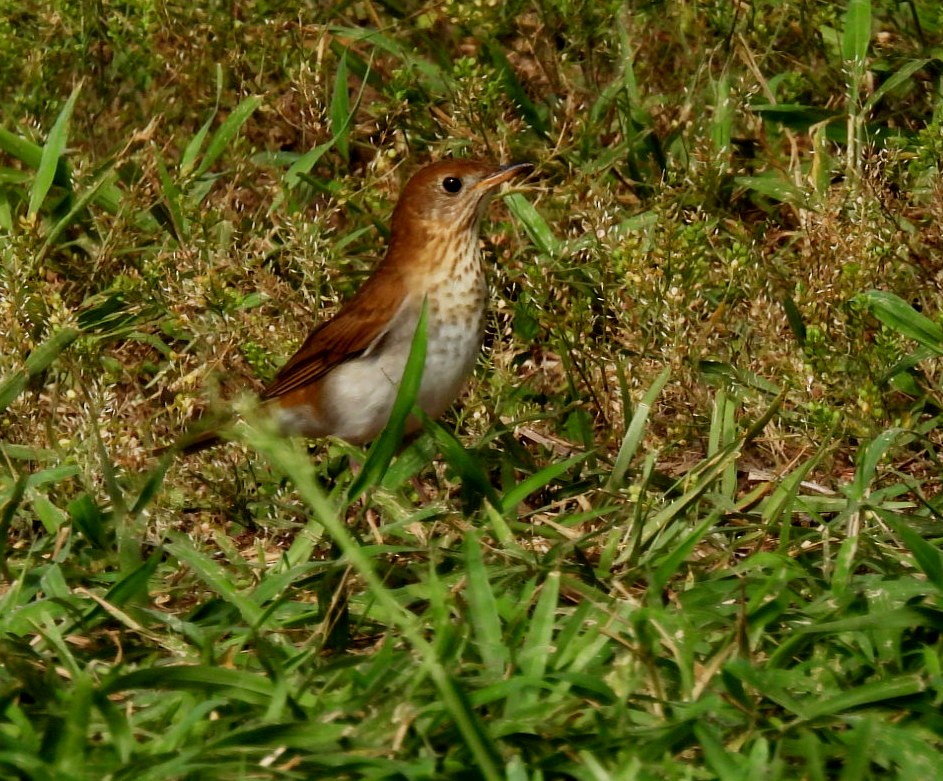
x=361 y=322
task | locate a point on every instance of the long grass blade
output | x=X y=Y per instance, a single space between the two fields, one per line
x=51 y=155
x=534 y=224
x=635 y=431
x=384 y=448
x=340 y=110
x=38 y=361
x=238 y=685
x=928 y=556
x=897 y=79
x=87 y=196
x=178 y=224
x=897 y=314
x=217 y=578
x=483 y=610
x=857 y=31
x=535 y=482
x=226 y=132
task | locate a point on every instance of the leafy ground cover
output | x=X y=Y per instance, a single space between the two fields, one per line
x=685 y=523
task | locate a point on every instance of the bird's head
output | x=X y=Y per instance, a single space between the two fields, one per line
x=451 y=195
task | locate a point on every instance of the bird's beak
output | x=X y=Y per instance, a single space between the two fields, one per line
x=503 y=174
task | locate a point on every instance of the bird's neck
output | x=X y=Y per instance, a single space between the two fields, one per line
x=430 y=255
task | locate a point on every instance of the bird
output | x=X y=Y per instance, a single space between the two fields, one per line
x=343 y=380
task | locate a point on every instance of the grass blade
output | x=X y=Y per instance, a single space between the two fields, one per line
x=865 y=694
x=722 y=120
x=172 y=198
x=535 y=482
x=516 y=91
x=12 y=387
x=534 y=224
x=384 y=448
x=775 y=187
x=239 y=685
x=678 y=555
x=193 y=147
x=899 y=78
x=483 y=610
x=51 y=156
x=88 y=195
x=42 y=357
x=536 y=649
x=31 y=154
x=216 y=578
x=635 y=431
x=340 y=110
x=38 y=361
x=897 y=314
x=306 y=162
x=857 y=31
x=927 y=556
x=230 y=127
x=473 y=476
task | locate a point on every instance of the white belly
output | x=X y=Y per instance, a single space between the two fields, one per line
x=358 y=395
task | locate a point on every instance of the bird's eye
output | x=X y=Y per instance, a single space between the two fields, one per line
x=451 y=184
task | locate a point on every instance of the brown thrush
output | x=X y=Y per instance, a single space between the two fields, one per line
x=344 y=378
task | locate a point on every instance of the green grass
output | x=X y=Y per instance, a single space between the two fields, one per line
x=685 y=523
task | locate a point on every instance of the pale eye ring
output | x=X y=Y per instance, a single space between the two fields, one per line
x=452 y=184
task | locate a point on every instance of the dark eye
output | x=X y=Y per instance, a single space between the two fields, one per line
x=452 y=184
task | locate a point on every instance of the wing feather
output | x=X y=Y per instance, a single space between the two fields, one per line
x=360 y=323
